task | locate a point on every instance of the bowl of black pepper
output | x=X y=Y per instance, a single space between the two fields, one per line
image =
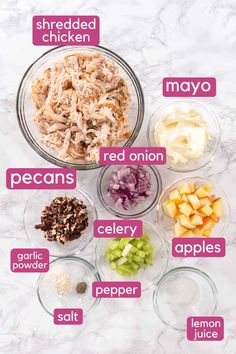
x=60 y=220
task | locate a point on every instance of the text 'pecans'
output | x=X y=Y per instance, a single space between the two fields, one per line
x=41 y=178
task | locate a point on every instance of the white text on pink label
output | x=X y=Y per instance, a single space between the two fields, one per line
x=29 y=260
x=117 y=228
x=116 y=289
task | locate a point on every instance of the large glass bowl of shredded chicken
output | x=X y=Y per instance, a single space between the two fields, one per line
x=73 y=100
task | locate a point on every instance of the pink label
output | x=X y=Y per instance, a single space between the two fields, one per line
x=29 y=260
x=132 y=155
x=118 y=228
x=41 y=178
x=198 y=247
x=205 y=328
x=116 y=289
x=66 y=30
x=68 y=316
x=189 y=87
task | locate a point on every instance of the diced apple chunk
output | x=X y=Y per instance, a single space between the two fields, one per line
x=207 y=233
x=201 y=193
x=212 y=197
x=196 y=220
x=177 y=216
x=197 y=231
x=184 y=198
x=185 y=222
x=179 y=230
x=201 y=213
x=207 y=223
x=196 y=212
x=216 y=219
x=192 y=187
x=217 y=207
x=189 y=233
x=170 y=208
x=194 y=201
x=207 y=210
x=175 y=196
x=207 y=187
x=184 y=188
x=185 y=208
x=204 y=201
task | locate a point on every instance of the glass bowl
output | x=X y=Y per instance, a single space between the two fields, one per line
x=26 y=109
x=214 y=132
x=32 y=213
x=80 y=270
x=184 y=292
x=148 y=276
x=166 y=224
x=135 y=211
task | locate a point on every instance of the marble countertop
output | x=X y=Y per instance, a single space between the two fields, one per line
x=157 y=38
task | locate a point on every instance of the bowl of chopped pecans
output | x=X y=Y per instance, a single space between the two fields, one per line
x=61 y=221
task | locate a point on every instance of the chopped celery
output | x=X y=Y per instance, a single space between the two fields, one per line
x=128 y=255
x=141 y=253
x=121 y=261
x=114 y=245
x=140 y=244
x=126 y=250
x=113 y=265
x=117 y=253
x=137 y=259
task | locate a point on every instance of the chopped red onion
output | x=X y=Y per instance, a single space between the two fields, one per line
x=129 y=185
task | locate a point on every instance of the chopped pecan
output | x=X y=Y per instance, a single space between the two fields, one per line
x=64 y=220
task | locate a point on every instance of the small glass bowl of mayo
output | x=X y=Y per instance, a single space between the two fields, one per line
x=189 y=130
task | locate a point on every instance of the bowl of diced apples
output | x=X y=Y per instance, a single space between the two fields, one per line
x=193 y=207
x=142 y=259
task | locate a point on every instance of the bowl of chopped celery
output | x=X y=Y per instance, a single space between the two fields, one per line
x=138 y=259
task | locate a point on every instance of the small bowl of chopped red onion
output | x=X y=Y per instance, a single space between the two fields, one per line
x=60 y=220
x=129 y=191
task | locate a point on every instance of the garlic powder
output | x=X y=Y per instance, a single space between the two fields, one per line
x=63 y=283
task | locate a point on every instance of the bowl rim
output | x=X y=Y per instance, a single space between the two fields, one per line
x=164 y=245
x=21 y=114
x=94 y=217
x=181 y=269
x=204 y=179
x=211 y=111
x=76 y=259
x=147 y=210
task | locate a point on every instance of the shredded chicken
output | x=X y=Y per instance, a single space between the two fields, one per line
x=81 y=105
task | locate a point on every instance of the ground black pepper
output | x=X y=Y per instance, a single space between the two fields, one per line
x=81 y=287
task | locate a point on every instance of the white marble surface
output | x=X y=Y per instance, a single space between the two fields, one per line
x=157 y=38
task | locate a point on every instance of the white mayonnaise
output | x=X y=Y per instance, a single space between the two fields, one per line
x=184 y=134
